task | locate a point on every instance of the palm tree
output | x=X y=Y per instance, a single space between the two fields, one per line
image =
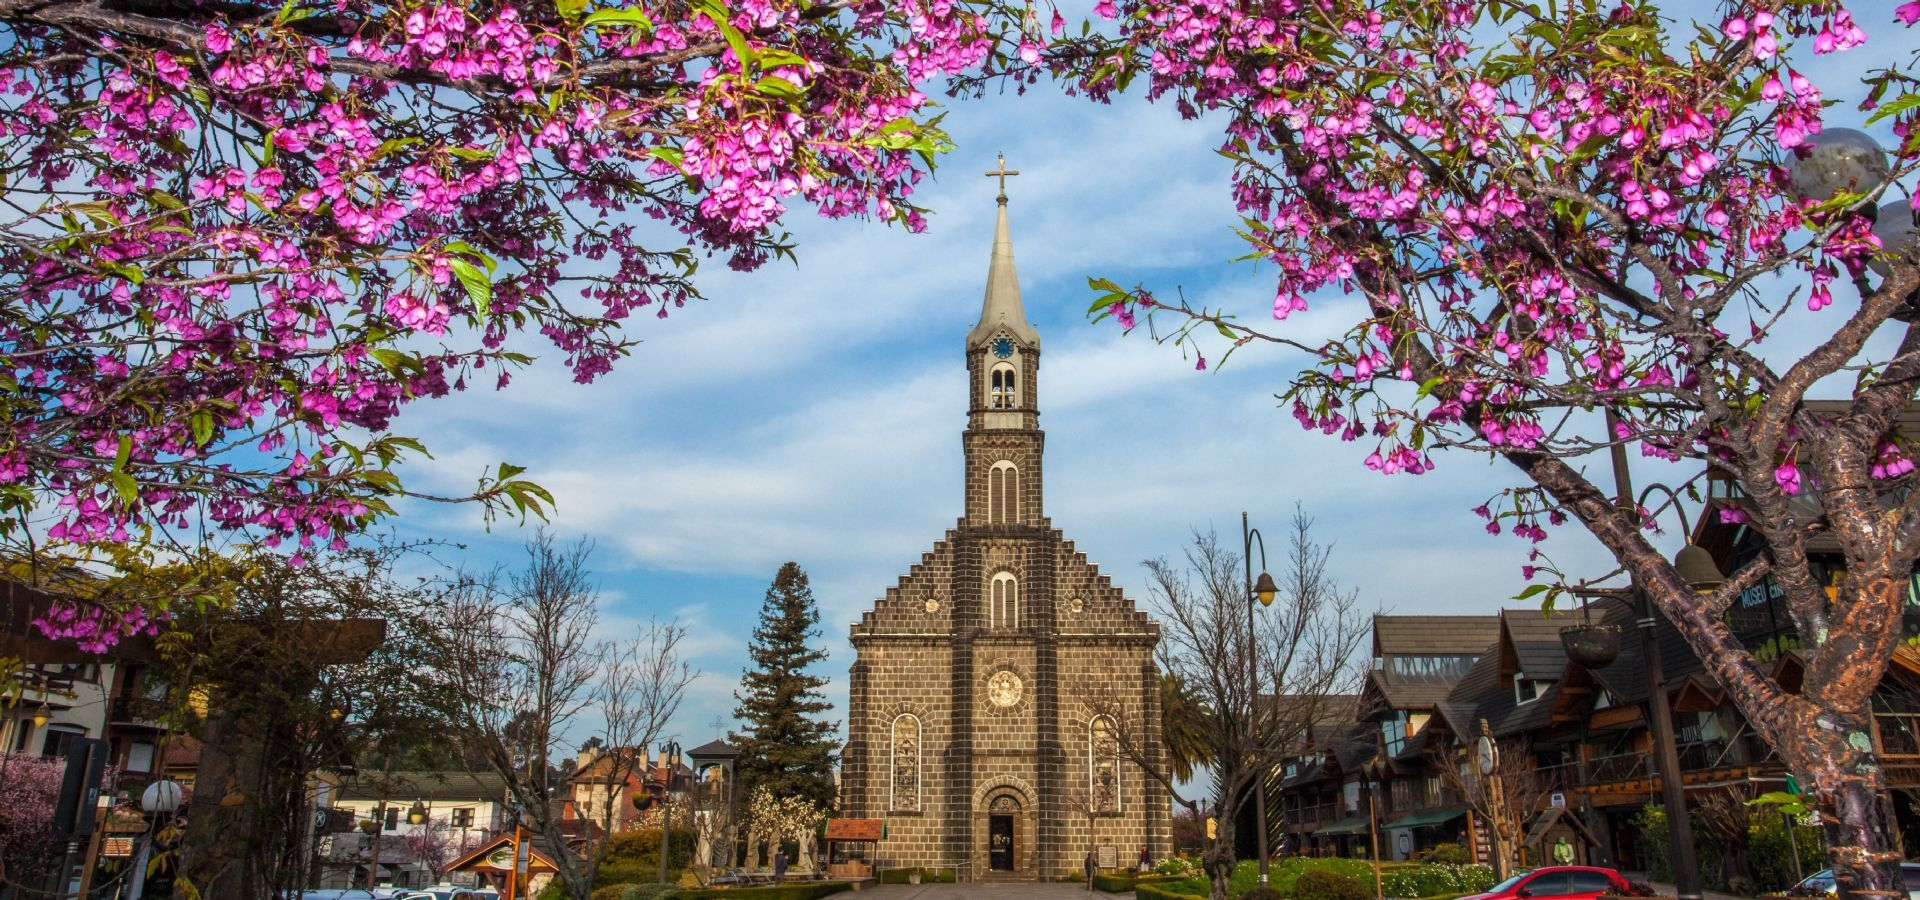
x=1183 y=727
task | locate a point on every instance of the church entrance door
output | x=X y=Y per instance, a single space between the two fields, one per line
x=1000 y=841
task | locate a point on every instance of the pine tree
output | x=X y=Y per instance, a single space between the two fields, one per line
x=782 y=745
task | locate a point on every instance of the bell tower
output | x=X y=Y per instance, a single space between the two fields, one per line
x=1003 y=441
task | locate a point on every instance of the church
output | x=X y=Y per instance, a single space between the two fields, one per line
x=993 y=686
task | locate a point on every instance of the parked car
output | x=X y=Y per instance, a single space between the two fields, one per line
x=1820 y=884
x=1563 y=883
x=449 y=892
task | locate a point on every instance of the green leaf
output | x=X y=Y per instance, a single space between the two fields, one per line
x=774 y=59
x=1533 y=591
x=124 y=485
x=479 y=286
x=508 y=470
x=1906 y=102
x=570 y=9
x=202 y=423
x=775 y=86
x=125 y=452
x=472 y=154
x=630 y=16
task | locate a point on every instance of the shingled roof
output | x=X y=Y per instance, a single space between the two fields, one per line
x=1395 y=636
x=1433 y=634
x=448 y=785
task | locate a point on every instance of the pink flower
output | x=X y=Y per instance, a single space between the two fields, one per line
x=1788 y=475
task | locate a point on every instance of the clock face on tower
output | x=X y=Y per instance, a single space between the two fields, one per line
x=1003 y=347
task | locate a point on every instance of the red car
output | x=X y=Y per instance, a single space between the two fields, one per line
x=1562 y=883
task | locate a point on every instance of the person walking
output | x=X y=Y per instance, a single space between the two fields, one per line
x=1091 y=867
x=779 y=866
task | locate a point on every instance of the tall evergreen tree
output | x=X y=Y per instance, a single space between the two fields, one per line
x=783 y=746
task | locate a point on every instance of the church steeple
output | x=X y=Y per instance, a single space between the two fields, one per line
x=1001 y=308
x=1003 y=439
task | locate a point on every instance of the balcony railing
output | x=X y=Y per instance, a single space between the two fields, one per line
x=1899 y=733
x=45 y=681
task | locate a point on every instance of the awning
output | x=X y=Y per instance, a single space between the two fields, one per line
x=1344 y=826
x=1428 y=817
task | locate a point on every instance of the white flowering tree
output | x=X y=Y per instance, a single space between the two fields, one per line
x=772 y=819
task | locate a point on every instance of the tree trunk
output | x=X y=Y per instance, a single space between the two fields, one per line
x=1865 y=863
x=1835 y=753
x=1219 y=860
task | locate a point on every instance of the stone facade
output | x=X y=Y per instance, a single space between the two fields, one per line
x=974 y=728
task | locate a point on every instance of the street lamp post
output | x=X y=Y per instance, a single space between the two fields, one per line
x=1261 y=592
x=1696 y=567
x=159 y=802
x=669 y=760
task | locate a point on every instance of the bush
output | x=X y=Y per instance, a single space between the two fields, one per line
x=1769 y=853
x=927 y=876
x=631 y=854
x=1447 y=855
x=1260 y=892
x=1113 y=884
x=806 y=891
x=1175 y=865
x=1167 y=892
x=609 y=892
x=1326 y=884
x=649 y=891
x=1432 y=880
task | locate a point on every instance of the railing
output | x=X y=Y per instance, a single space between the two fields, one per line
x=137 y=710
x=1899 y=733
x=1698 y=756
x=45 y=681
x=1309 y=815
x=1619 y=767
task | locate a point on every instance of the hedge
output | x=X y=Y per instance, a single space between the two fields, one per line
x=1398 y=879
x=1122 y=882
x=927 y=876
x=1146 y=891
x=807 y=891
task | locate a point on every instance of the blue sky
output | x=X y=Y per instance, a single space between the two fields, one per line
x=812 y=412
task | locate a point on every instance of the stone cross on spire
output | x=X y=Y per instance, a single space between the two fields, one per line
x=1002 y=174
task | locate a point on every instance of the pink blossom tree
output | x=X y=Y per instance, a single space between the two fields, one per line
x=240 y=237
x=1533 y=212
x=29 y=787
x=435 y=843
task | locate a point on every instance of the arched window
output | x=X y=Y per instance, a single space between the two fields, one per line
x=1004 y=606
x=906 y=763
x=1003 y=492
x=1103 y=764
x=1004 y=385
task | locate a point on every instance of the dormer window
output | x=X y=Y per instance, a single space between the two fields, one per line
x=1527 y=690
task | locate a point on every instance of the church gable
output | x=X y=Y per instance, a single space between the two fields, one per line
x=921 y=603
x=1087 y=601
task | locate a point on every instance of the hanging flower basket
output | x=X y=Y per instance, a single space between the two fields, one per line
x=1590 y=645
